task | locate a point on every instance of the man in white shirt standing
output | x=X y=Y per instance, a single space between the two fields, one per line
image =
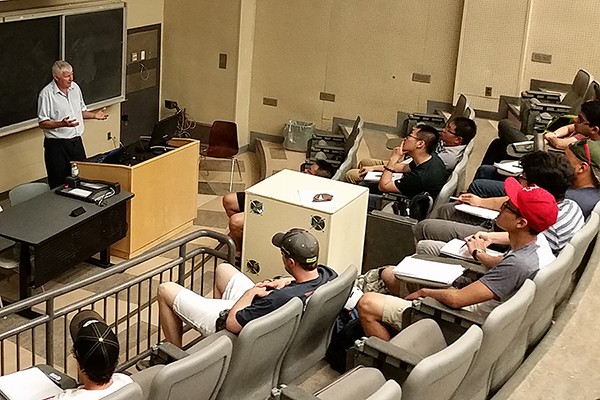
x=61 y=111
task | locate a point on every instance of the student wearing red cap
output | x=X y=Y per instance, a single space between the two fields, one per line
x=528 y=211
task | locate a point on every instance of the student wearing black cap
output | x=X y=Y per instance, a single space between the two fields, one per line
x=237 y=299
x=96 y=349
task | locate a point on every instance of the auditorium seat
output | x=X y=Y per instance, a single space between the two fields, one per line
x=198 y=376
x=316 y=325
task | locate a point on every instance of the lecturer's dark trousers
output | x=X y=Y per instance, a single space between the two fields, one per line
x=58 y=153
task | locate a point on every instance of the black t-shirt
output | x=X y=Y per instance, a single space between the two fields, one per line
x=263 y=305
x=429 y=176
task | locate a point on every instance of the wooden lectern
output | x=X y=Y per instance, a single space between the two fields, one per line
x=166 y=192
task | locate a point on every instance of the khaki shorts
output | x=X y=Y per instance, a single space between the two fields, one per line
x=393 y=307
x=202 y=313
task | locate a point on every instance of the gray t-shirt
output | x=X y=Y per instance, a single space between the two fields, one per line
x=508 y=276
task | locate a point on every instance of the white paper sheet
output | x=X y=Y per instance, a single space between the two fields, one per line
x=456 y=248
x=512 y=167
x=428 y=270
x=375 y=176
x=477 y=211
x=28 y=384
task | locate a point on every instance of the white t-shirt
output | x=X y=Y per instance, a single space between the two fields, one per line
x=118 y=381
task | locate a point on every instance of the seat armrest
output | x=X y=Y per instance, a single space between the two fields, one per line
x=393 y=217
x=292 y=392
x=439 y=311
x=419 y=117
x=394 y=355
x=547 y=97
x=210 y=339
x=549 y=107
x=167 y=352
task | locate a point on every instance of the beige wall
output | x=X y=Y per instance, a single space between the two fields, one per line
x=194 y=34
x=490 y=50
x=498 y=38
x=21 y=154
x=569 y=32
x=362 y=51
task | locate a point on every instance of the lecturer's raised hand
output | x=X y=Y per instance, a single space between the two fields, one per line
x=69 y=122
x=101 y=114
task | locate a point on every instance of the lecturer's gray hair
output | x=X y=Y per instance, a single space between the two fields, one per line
x=61 y=66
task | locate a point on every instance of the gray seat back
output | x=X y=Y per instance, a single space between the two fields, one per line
x=438 y=376
x=461 y=109
x=198 y=376
x=361 y=384
x=258 y=352
x=537 y=319
x=580 y=241
x=26 y=191
x=579 y=89
x=351 y=160
x=499 y=329
x=131 y=391
x=448 y=190
x=316 y=326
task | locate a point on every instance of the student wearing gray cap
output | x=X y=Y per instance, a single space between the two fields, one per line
x=96 y=349
x=237 y=300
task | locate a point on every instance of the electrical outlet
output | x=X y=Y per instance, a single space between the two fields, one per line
x=109 y=135
x=223 y=61
x=541 y=58
x=488 y=91
x=423 y=78
x=134 y=57
x=327 y=96
x=143 y=55
x=268 y=101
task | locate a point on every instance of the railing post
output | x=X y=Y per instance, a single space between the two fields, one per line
x=182 y=254
x=50 y=333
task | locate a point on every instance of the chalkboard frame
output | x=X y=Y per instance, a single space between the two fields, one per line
x=63 y=12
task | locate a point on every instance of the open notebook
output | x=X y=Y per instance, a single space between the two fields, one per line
x=28 y=384
x=456 y=248
x=375 y=176
x=485 y=213
x=425 y=270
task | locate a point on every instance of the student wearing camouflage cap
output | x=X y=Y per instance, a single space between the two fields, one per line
x=584 y=157
x=237 y=300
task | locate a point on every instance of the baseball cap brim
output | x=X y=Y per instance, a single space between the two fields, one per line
x=512 y=187
x=80 y=319
x=277 y=239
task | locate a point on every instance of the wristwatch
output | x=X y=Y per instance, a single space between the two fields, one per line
x=475 y=252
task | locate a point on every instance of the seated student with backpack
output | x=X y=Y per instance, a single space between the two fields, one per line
x=425 y=173
x=528 y=211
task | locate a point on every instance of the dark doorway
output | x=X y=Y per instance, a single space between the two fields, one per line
x=140 y=109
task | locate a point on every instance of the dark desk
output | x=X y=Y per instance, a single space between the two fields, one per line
x=58 y=241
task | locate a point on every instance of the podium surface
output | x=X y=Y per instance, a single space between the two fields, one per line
x=166 y=192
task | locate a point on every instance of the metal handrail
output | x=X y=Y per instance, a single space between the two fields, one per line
x=17 y=335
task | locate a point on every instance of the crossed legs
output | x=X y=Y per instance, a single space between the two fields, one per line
x=171 y=322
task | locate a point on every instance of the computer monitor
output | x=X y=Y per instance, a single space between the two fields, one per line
x=164 y=130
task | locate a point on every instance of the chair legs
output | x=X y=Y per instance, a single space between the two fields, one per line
x=234 y=162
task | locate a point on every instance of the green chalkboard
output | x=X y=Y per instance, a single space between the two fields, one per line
x=27 y=50
x=94 y=47
x=93 y=42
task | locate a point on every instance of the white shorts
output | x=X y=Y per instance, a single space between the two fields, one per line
x=202 y=313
